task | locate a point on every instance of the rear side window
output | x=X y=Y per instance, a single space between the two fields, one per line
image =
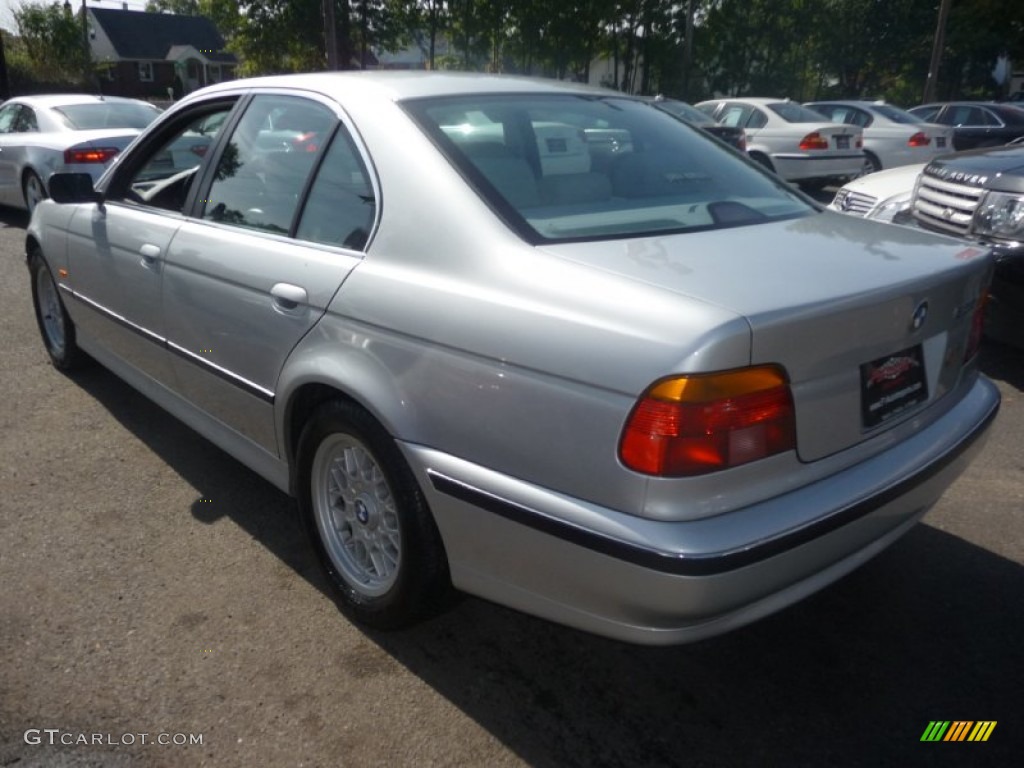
x=266 y=162
x=341 y=204
x=561 y=167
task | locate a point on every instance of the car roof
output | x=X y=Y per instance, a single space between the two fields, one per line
x=761 y=101
x=401 y=85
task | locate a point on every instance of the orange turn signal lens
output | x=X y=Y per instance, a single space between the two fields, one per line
x=693 y=425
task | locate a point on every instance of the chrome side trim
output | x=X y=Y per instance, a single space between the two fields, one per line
x=119 y=319
x=223 y=373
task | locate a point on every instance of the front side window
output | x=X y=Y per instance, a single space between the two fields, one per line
x=8 y=117
x=576 y=168
x=266 y=162
x=164 y=176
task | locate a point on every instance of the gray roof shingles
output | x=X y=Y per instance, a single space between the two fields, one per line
x=149 y=36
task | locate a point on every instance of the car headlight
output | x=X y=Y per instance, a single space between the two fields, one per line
x=890 y=207
x=1000 y=215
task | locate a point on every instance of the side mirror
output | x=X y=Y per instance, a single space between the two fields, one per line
x=72 y=188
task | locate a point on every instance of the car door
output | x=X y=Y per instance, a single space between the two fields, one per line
x=255 y=269
x=117 y=250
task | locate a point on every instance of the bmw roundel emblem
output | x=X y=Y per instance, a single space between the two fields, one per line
x=920 y=315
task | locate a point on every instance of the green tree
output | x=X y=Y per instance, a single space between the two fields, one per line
x=53 y=44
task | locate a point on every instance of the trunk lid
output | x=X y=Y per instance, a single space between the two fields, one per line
x=869 y=320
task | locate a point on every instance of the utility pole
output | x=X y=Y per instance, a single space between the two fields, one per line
x=936 y=62
x=330 y=35
x=688 y=50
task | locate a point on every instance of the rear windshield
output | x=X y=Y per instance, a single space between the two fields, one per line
x=792 y=112
x=896 y=114
x=566 y=167
x=86 y=117
x=685 y=111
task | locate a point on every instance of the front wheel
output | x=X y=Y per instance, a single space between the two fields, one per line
x=33 y=190
x=367 y=519
x=55 y=326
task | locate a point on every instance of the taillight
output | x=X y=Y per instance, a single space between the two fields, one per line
x=90 y=155
x=199 y=149
x=977 y=327
x=859 y=143
x=919 y=139
x=742 y=142
x=692 y=425
x=814 y=141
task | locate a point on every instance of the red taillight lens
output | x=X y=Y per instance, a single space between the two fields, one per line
x=919 y=139
x=306 y=142
x=692 y=425
x=977 y=328
x=814 y=141
x=859 y=143
x=91 y=155
x=199 y=149
x=742 y=143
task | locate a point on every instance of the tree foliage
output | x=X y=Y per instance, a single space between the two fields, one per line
x=52 y=41
x=797 y=48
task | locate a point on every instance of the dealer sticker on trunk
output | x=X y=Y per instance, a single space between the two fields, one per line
x=891 y=385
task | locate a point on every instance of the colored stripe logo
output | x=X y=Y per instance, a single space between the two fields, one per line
x=958 y=730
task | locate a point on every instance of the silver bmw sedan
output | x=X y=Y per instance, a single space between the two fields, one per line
x=535 y=341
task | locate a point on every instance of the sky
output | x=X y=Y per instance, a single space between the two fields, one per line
x=7 y=7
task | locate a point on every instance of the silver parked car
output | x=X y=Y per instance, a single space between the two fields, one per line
x=892 y=136
x=534 y=340
x=40 y=135
x=797 y=143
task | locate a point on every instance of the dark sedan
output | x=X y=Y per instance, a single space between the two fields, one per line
x=975 y=123
x=733 y=136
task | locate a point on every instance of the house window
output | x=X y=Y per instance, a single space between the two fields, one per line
x=145 y=71
x=213 y=73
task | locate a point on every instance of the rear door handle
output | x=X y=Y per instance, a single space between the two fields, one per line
x=288 y=296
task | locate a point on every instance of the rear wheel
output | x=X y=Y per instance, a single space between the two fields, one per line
x=871 y=164
x=55 y=326
x=33 y=190
x=368 y=520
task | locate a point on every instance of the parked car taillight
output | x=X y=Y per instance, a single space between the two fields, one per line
x=696 y=424
x=977 y=327
x=859 y=143
x=814 y=141
x=90 y=155
x=919 y=139
x=742 y=143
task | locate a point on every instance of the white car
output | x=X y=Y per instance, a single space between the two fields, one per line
x=40 y=135
x=892 y=136
x=792 y=140
x=882 y=196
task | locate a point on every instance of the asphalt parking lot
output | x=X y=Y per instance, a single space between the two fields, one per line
x=156 y=594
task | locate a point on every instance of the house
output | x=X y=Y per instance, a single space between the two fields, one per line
x=151 y=55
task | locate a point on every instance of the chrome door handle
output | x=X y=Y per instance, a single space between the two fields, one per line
x=288 y=296
x=150 y=253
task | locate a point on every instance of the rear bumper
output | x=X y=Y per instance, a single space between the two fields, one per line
x=798 y=167
x=657 y=582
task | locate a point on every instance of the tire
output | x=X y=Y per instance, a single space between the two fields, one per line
x=871 y=164
x=33 y=190
x=368 y=521
x=55 y=326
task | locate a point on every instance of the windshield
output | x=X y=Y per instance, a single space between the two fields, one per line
x=792 y=112
x=109 y=114
x=577 y=167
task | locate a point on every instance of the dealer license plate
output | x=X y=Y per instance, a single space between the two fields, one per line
x=892 y=385
x=842 y=142
x=940 y=141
